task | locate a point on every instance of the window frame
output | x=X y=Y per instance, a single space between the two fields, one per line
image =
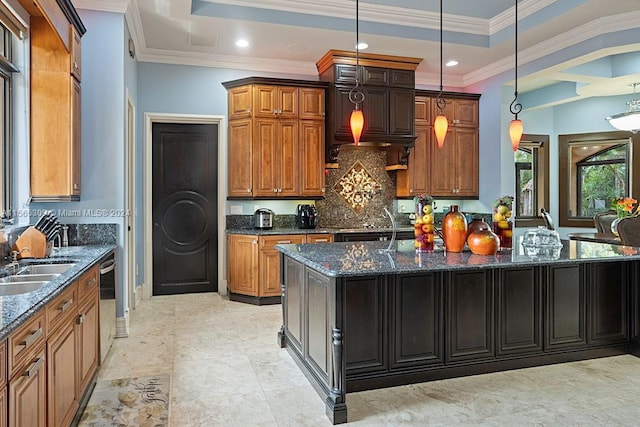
x=541 y=144
x=564 y=170
x=7 y=68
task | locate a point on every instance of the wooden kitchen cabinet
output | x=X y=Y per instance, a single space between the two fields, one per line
x=453 y=170
x=312 y=158
x=55 y=100
x=276 y=145
x=269 y=262
x=254 y=264
x=276 y=138
x=4 y=398
x=88 y=339
x=62 y=379
x=275 y=101
x=320 y=238
x=242 y=256
x=27 y=387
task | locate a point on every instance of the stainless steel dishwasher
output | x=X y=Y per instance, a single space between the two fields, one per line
x=107 y=305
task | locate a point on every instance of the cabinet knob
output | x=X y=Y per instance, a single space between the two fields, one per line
x=248 y=190
x=275 y=190
x=76 y=186
x=254 y=241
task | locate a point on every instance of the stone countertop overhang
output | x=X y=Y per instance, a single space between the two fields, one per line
x=18 y=308
x=369 y=258
x=276 y=231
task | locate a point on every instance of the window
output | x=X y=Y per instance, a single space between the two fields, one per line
x=7 y=68
x=532 y=179
x=594 y=168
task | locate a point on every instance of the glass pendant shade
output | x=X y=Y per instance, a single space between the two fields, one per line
x=440 y=126
x=629 y=121
x=515 y=133
x=356 y=123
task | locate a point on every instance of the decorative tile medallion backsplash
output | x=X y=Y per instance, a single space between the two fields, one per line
x=357 y=193
x=357 y=187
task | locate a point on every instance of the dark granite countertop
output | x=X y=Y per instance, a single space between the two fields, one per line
x=365 y=258
x=18 y=308
x=319 y=230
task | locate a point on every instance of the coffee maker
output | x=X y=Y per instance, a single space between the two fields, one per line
x=307 y=216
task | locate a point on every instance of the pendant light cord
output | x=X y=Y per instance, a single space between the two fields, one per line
x=440 y=103
x=356 y=95
x=515 y=106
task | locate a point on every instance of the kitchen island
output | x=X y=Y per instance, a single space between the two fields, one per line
x=356 y=317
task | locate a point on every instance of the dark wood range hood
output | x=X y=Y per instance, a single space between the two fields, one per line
x=388 y=83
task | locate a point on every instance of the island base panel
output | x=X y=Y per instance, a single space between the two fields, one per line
x=254 y=300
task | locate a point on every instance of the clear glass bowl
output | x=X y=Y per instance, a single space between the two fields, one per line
x=542 y=243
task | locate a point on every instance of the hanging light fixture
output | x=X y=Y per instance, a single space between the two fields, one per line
x=515 y=128
x=630 y=120
x=356 y=95
x=440 y=124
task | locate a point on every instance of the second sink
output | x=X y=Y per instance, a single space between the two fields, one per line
x=28 y=278
x=46 y=268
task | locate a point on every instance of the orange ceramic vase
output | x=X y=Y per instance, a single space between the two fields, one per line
x=483 y=242
x=454 y=230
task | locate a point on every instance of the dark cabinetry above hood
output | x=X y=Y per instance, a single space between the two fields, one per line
x=388 y=83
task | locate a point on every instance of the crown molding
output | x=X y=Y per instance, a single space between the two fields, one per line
x=595 y=28
x=372 y=13
x=525 y=8
x=227 y=61
x=116 y=6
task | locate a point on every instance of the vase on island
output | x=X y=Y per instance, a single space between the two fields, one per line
x=503 y=220
x=424 y=227
x=454 y=230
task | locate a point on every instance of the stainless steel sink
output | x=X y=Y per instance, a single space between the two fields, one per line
x=16 y=288
x=46 y=268
x=28 y=278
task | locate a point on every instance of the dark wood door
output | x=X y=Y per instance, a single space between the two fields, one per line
x=184 y=208
x=566 y=307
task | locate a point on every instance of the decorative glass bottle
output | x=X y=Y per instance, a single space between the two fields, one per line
x=454 y=230
x=424 y=224
x=503 y=221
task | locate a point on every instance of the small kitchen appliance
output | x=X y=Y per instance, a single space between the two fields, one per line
x=307 y=216
x=263 y=219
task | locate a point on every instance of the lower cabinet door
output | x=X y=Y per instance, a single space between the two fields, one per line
x=62 y=397
x=88 y=341
x=566 y=303
x=28 y=394
x=469 y=316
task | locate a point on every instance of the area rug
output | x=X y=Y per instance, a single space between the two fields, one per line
x=136 y=401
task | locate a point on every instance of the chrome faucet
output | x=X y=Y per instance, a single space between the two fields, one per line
x=392 y=242
x=14 y=259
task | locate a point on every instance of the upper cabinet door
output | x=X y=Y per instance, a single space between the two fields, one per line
x=76 y=55
x=240 y=102
x=311 y=103
x=275 y=101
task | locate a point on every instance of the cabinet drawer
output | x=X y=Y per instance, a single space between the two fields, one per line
x=88 y=282
x=269 y=242
x=61 y=307
x=26 y=341
x=319 y=238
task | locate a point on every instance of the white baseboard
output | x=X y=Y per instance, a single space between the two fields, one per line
x=137 y=297
x=122 y=326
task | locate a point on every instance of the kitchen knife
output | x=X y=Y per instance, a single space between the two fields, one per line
x=49 y=222
x=39 y=223
x=54 y=232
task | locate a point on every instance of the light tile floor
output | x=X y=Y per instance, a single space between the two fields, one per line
x=227 y=370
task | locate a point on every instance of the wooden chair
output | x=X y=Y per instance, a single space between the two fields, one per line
x=603 y=220
x=629 y=231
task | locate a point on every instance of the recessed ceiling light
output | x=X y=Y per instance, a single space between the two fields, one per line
x=362 y=46
x=451 y=63
x=242 y=43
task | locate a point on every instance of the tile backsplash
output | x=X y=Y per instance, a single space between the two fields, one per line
x=357 y=192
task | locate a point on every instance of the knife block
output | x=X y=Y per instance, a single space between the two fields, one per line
x=31 y=244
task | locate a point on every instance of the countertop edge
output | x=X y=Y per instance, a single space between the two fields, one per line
x=55 y=287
